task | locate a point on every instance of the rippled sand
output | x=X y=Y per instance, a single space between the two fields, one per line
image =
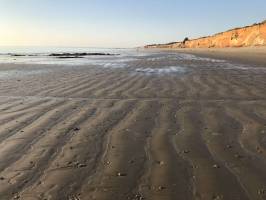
x=156 y=126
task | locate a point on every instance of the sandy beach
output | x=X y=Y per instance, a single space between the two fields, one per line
x=153 y=126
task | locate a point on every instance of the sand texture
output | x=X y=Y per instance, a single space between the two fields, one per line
x=162 y=127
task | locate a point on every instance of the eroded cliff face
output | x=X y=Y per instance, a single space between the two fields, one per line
x=254 y=35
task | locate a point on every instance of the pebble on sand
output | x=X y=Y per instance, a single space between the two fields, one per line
x=120 y=174
x=76 y=129
x=138 y=197
x=217 y=197
x=261 y=191
x=80 y=165
x=161 y=163
x=216 y=166
x=132 y=161
x=160 y=188
x=186 y=151
x=259 y=150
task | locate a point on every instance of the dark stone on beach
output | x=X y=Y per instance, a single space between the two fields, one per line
x=261 y=191
x=76 y=129
x=20 y=55
x=216 y=166
x=160 y=188
x=82 y=165
x=217 y=197
x=78 y=55
x=160 y=163
x=16 y=55
x=131 y=161
x=186 y=151
x=138 y=197
x=69 y=57
x=121 y=174
x=2 y=178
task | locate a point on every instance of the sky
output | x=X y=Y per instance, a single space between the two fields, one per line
x=120 y=23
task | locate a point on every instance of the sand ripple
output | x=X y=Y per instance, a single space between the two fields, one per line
x=89 y=132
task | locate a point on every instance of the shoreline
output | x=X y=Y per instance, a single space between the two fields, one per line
x=251 y=55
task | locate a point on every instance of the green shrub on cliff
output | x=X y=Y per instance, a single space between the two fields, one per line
x=185 y=40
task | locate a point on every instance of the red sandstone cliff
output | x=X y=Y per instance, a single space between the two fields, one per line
x=254 y=35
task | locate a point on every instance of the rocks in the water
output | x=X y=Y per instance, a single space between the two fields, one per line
x=68 y=57
x=16 y=55
x=20 y=55
x=78 y=55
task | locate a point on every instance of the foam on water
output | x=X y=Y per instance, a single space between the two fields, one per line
x=163 y=70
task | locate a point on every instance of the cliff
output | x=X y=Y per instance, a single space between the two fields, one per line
x=254 y=35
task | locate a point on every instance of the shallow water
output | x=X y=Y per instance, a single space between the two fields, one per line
x=130 y=59
x=164 y=70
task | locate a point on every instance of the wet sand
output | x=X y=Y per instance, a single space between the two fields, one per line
x=194 y=131
x=249 y=55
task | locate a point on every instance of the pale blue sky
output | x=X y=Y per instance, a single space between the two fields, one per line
x=120 y=23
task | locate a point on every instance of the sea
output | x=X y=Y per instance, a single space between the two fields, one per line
x=40 y=55
x=149 y=62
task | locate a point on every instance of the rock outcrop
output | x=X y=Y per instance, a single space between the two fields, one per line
x=254 y=35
